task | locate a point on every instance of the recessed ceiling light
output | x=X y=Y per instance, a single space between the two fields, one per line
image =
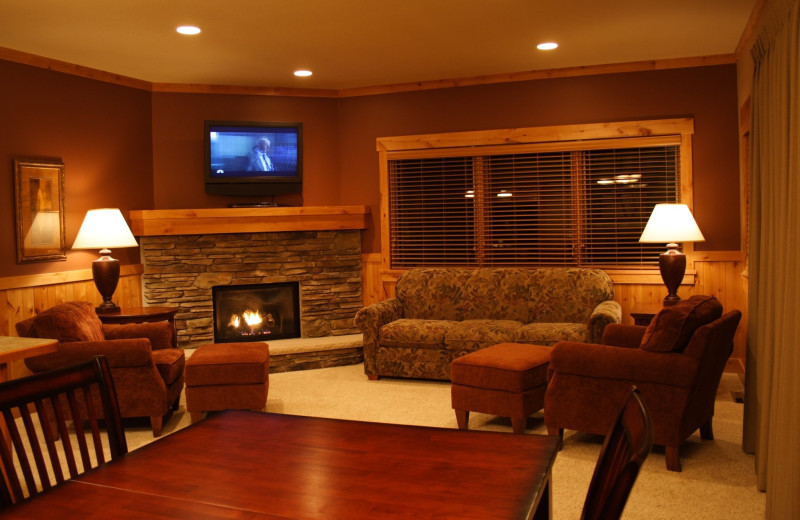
x=188 y=29
x=302 y=73
x=547 y=46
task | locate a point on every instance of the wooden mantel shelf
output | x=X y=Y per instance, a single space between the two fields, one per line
x=247 y=220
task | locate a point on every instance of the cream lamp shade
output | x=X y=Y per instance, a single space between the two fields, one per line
x=103 y=229
x=670 y=224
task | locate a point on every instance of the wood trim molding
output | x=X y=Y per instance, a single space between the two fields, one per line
x=566 y=72
x=247 y=220
x=81 y=275
x=69 y=68
x=537 y=134
x=118 y=79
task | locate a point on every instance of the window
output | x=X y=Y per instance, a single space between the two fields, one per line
x=541 y=202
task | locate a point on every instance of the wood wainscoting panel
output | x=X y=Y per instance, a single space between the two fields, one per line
x=24 y=296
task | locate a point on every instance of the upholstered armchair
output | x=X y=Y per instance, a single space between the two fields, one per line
x=146 y=369
x=676 y=362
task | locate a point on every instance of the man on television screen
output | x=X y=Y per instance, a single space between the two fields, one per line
x=258 y=158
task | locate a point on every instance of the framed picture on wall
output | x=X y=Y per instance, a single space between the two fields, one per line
x=39 y=198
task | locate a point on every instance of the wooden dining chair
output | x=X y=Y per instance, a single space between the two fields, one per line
x=37 y=448
x=624 y=450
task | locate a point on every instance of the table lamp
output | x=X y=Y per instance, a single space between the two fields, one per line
x=671 y=223
x=103 y=229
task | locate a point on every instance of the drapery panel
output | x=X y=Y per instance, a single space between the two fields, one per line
x=772 y=398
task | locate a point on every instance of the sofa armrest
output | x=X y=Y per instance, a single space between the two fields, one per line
x=369 y=320
x=120 y=353
x=605 y=313
x=159 y=332
x=630 y=364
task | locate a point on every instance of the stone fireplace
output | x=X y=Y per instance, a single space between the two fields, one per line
x=187 y=253
x=256 y=312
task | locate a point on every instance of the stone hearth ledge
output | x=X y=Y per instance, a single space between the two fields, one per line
x=308 y=353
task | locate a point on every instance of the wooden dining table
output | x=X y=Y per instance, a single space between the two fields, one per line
x=252 y=465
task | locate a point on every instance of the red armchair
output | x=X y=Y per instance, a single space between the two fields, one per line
x=146 y=369
x=676 y=362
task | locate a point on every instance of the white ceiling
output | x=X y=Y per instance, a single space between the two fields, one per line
x=362 y=43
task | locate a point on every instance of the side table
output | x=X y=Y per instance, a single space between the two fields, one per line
x=643 y=316
x=143 y=314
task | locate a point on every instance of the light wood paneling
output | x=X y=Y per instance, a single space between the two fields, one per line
x=24 y=296
x=717 y=273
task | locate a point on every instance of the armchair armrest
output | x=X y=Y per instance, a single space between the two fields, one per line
x=629 y=364
x=159 y=332
x=120 y=353
x=369 y=320
x=606 y=313
x=618 y=335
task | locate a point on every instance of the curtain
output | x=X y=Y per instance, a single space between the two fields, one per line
x=772 y=386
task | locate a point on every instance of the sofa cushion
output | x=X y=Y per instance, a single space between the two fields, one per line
x=672 y=327
x=475 y=334
x=68 y=322
x=433 y=294
x=170 y=363
x=425 y=334
x=550 y=333
x=567 y=295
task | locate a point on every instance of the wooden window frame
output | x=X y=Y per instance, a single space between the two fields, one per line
x=537 y=138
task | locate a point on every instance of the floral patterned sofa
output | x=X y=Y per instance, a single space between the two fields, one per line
x=439 y=314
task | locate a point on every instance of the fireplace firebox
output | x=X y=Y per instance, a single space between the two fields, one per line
x=256 y=312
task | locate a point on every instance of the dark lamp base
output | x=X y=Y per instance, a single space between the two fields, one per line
x=672 y=264
x=108 y=307
x=105 y=271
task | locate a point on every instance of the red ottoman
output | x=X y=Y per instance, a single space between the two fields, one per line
x=508 y=380
x=225 y=376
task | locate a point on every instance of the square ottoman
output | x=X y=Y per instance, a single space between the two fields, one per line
x=225 y=376
x=508 y=380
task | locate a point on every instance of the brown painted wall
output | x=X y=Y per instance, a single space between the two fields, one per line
x=101 y=132
x=708 y=94
x=178 y=145
x=110 y=142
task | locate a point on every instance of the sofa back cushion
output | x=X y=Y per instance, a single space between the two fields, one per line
x=67 y=322
x=459 y=294
x=673 y=326
x=567 y=295
x=560 y=295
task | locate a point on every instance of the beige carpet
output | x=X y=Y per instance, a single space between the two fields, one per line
x=717 y=481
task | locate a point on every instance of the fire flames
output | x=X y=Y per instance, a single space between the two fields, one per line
x=252 y=322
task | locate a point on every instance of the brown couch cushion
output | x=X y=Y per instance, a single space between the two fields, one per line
x=671 y=329
x=70 y=321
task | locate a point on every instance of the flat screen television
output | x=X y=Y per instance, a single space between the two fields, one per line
x=245 y=158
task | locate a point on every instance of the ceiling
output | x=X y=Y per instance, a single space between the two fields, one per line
x=363 y=43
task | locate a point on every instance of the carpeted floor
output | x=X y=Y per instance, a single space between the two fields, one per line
x=717 y=481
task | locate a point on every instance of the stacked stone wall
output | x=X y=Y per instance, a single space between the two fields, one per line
x=180 y=271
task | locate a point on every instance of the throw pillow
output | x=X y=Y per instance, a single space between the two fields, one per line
x=671 y=329
x=70 y=321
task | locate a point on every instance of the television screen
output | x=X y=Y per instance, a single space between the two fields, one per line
x=249 y=158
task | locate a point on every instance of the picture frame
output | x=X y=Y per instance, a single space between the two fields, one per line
x=39 y=204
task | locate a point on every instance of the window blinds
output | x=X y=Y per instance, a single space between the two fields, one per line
x=562 y=204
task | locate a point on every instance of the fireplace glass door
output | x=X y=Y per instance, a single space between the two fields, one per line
x=256 y=312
